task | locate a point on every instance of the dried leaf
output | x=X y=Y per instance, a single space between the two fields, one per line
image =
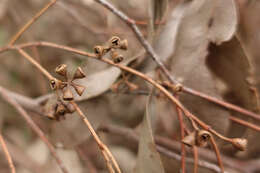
x=224 y=21
x=157 y=12
x=148 y=158
x=198 y=21
x=230 y=64
x=185 y=40
x=249 y=40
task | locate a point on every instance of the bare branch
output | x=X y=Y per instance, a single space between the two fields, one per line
x=7 y=154
x=35 y=128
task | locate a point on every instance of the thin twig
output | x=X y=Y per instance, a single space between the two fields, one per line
x=105 y=151
x=7 y=154
x=183 y=151
x=245 y=123
x=87 y=160
x=195 y=158
x=35 y=63
x=34 y=127
x=213 y=142
x=201 y=163
x=30 y=22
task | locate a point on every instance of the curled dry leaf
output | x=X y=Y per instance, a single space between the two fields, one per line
x=231 y=65
x=184 y=42
x=248 y=36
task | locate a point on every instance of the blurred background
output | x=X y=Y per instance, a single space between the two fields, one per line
x=211 y=47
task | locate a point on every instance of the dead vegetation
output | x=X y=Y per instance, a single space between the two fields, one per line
x=158 y=86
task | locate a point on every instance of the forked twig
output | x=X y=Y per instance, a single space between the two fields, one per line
x=7 y=154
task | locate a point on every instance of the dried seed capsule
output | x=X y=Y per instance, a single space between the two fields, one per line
x=124 y=44
x=54 y=84
x=132 y=86
x=190 y=139
x=62 y=85
x=202 y=138
x=117 y=58
x=70 y=108
x=239 y=143
x=79 y=74
x=67 y=94
x=78 y=88
x=99 y=51
x=114 y=42
x=61 y=109
x=61 y=70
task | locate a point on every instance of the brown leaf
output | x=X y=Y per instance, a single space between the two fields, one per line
x=248 y=36
x=148 y=158
x=185 y=40
x=230 y=64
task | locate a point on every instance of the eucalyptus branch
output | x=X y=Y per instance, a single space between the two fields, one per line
x=127 y=69
x=149 y=49
x=7 y=154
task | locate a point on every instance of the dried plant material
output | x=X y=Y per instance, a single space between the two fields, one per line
x=148 y=158
x=202 y=138
x=249 y=40
x=99 y=51
x=61 y=70
x=79 y=74
x=132 y=86
x=224 y=22
x=53 y=84
x=67 y=94
x=239 y=143
x=114 y=42
x=61 y=109
x=70 y=108
x=190 y=140
x=78 y=88
x=124 y=44
x=118 y=59
x=230 y=64
x=184 y=43
x=198 y=138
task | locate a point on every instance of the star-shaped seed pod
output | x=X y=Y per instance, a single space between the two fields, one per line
x=68 y=84
x=62 y=105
